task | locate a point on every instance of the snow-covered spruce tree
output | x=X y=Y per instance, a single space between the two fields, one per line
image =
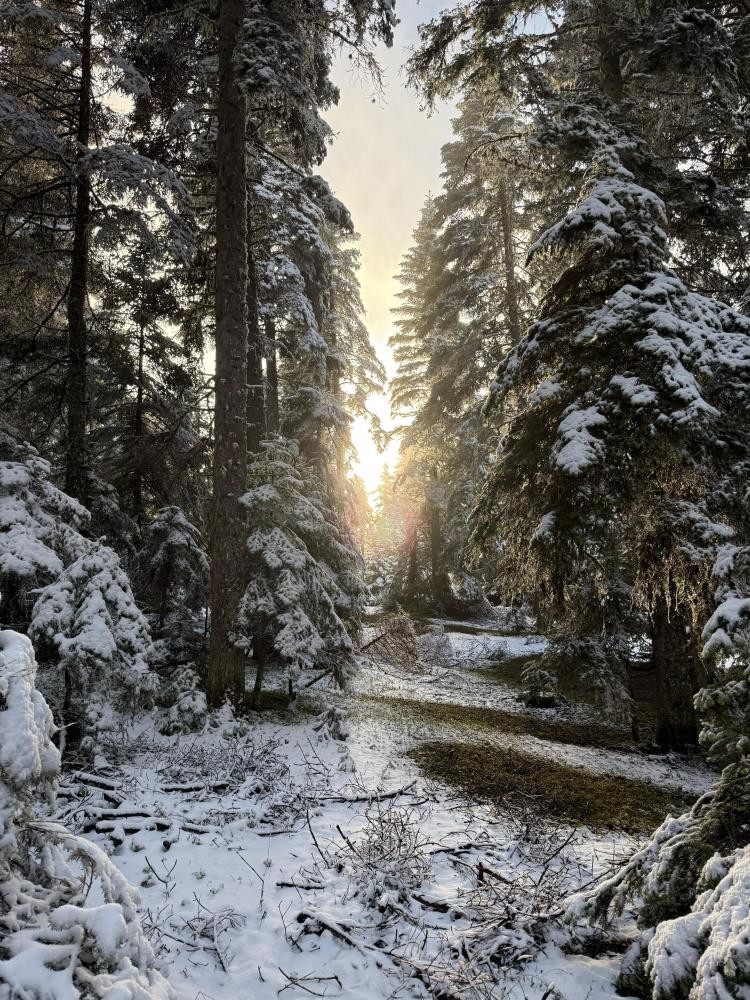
x=87 y=626
x=75 y=187
x=56 y=942
x=617 y=393
x=173 y=576
x=40 y=527
x=173 y=566
x=304 y=593
x=69 y=592
x=622 y=351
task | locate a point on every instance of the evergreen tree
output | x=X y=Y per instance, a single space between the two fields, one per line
x=70 y=593
x=73 y=188
x=173 y=566
x=616 y=400
x=305 y=592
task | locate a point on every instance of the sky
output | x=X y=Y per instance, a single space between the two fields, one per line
x=383 y=163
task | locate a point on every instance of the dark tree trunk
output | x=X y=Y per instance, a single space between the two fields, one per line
x=260 y=669
x=610 y=57
x=412 y=568
x=272 y=377
x=678 y=673
x=256 y=406
x=262 y=652
x=438 y=579
x=226 y=663
x=138 y=506
x=509 y=261
x=76 y=384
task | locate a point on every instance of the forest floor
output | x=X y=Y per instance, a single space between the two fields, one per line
x=427 y=854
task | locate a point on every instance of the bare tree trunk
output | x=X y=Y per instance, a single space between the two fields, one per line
x=138 y=507
x=412 y=568
x=75 y=388
x=610 y=55
x=272 y=377
x=677 y=668
x=438 y=579
x=256 y=406
x=509 y=261
x=226 y=663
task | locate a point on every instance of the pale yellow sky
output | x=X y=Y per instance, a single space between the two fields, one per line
x=383 y=163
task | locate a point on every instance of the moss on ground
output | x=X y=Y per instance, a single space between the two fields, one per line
x=487 y=772
x=472 y=718
x=508 y=672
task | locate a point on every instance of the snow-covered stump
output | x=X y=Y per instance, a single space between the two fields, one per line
x=68 y=918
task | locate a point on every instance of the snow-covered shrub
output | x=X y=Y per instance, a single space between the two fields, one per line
x=173 y=567
x=590 y=669
x=435 y=647
x=68 y=591
x=184 y=700
x=28 y=759
x=173 y=575
x=304 y=592
x=690 y=885
x=54 y=943
x=40 y=526
x=389 y=859
x=88 y=623
x=332 y=724
x=110 y=521
x=725 y=706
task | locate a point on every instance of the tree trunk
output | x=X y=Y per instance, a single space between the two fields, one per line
x=509 y=261
x=412 y=568
x=75 y=388
x=137 y=458
x=226 y=663
x=262 y=651
x=256 y=407
x=260 y=669
x=610 y=56
x=272 y=377
x=677 y=668
x=437 y=573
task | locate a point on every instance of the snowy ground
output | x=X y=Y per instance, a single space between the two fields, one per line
x=275 y=859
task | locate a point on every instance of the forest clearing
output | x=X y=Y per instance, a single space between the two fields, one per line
x=383 y=872
x=375 y=499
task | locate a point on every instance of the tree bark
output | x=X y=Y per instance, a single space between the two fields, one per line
x=256 y=406
x=509 y=261
x=272 y=377
x=437 y=573
x=138 y=507
x=76 y=384
x=677 y=666
x=412 y=568
x=610 y=56
x=226 y=663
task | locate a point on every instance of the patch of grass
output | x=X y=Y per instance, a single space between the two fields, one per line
x=562 y=792
x=506 y=672
x=472 y=718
